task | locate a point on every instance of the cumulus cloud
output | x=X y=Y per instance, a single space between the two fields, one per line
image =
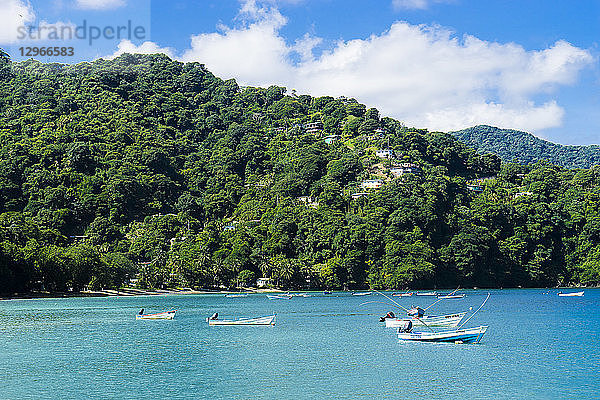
x=14 y=14
x=423 y=75
x=127 y=46
x=99 y=4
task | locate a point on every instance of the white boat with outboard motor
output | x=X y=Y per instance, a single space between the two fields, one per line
x=438 y=321
x=571 y=294
x=279 y=296
x=459 y=335
x=161 y=315
x=470 y=335
x=258 y=321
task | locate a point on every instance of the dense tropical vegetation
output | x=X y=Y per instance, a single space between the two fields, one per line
x=524 y=148
x=146 y=169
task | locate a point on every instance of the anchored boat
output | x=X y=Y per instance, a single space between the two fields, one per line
x=571 y=294
x=438 y=321
x=279 y=296
x=470 y=335
x=452 y=296
x=162 y=315
x=260 y=321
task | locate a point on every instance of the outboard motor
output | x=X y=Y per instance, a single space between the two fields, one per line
x=141 y=312
x=214 y=316
x=406 y=326
x=388 y=315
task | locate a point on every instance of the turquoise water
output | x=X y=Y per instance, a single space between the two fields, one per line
x=537 y=346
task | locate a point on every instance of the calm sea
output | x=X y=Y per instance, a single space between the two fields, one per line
x=538 y=345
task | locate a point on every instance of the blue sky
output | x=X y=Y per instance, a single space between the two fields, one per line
x=441 y=64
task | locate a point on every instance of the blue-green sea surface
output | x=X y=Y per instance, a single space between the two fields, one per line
x=538 y=345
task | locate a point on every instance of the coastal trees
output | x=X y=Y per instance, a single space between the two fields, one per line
x=142 y=167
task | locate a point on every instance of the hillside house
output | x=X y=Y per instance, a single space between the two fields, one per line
x=313 y=128
x=404 y=168
x=372 y=184
x=474 y=187
x=358 y=195
x=385 y=153
x=329 y=139
x=310 y=201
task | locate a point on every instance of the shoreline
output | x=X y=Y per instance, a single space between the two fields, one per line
x=127 y=292
x=134 y=292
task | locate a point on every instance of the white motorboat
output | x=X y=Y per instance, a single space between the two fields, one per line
x=279 y=296
x=571 y=294
x=260 y=321
x=452 y=296
x=470 y=335
x=162 y=315
x=446 y=321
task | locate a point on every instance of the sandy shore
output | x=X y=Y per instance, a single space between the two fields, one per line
x=131 y=292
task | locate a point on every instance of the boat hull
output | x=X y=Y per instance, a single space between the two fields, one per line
x=261 y=321
x=573 y=294
x=162 y=315
x=452 y=296
x=278 y=297
x=446 y=321
x=471 y=335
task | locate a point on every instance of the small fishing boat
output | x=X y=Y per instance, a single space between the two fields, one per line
x=438 y=321
x=452 y=296
x=470 y=335
x=160 y=315
x=361 y=293
x=427 y=293
x=402 y=294
x=279 y=296
x=236 y=295
x=571 y=294
x=327 y=292
x=260 y=321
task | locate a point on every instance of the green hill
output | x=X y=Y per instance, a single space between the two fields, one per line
x=150 y=169
x=523 y=147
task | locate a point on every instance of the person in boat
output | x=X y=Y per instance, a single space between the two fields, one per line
x=416 y=312
x=214 y=316
x=141 y=312
x=406 y=327
x=389 y=315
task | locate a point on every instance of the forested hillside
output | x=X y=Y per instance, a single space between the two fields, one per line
x=524 y=148
x=147 y=169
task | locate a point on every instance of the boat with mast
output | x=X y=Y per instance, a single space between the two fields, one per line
x=459 y=335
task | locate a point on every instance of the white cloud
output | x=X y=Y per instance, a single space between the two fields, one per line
x=100 y=4
x=13 y=15
x=415 y=4
x=126 y=46
x=253 y=53
x=422 y=75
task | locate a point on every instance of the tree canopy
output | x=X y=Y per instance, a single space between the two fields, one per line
x=143 y=169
